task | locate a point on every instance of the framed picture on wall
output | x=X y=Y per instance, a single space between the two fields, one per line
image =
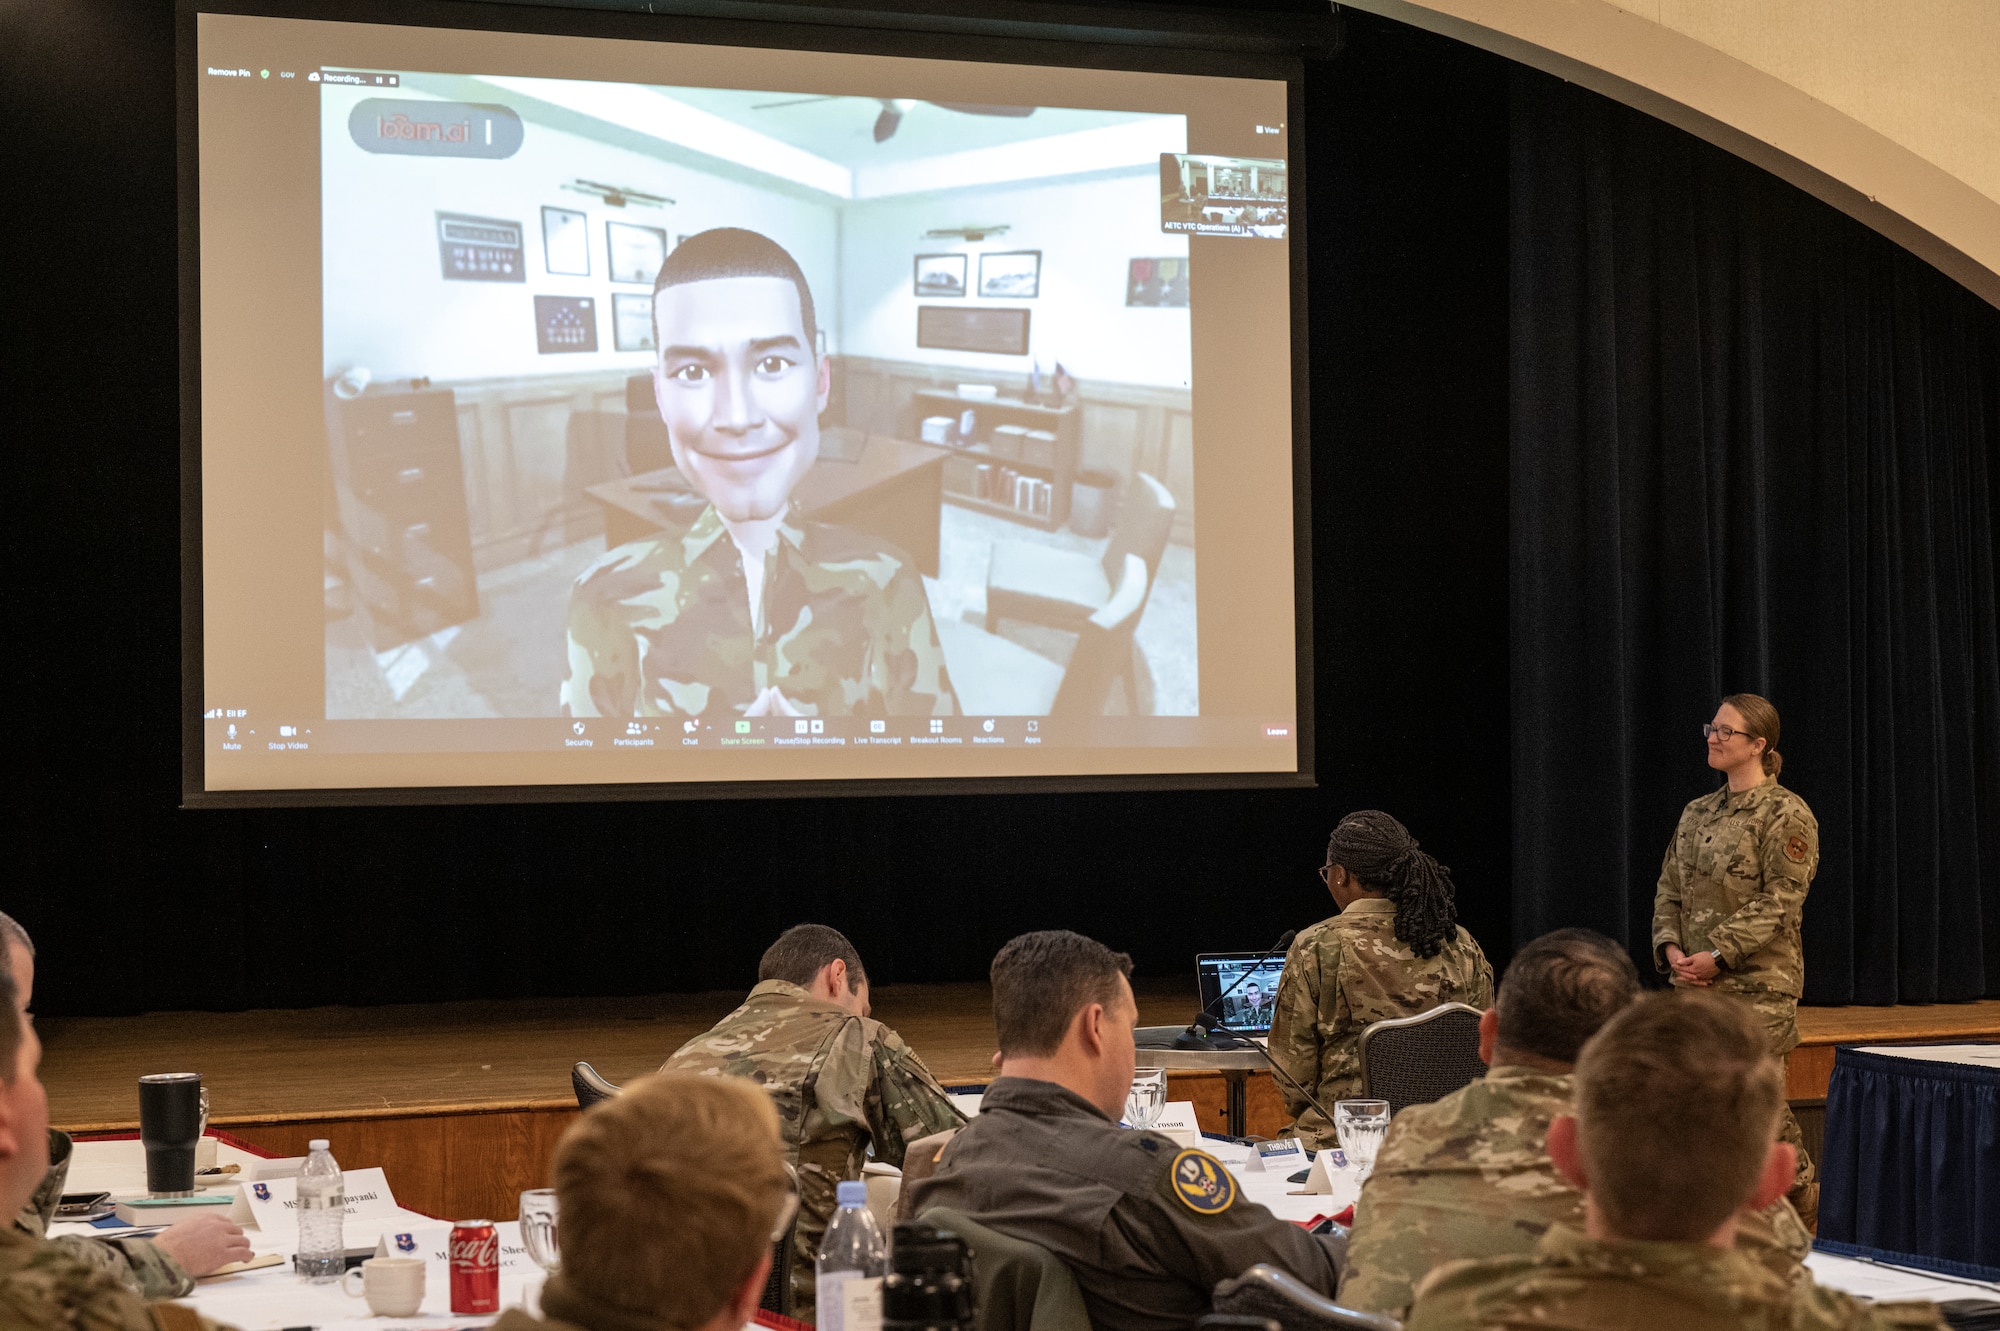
x=566 y=242
x=1157 y=283
x=999 y=332
x=1011 y=274
x=635 y=252
x=632 y=321
x=940 y=274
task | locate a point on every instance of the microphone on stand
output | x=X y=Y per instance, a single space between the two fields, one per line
x=1197 y=1035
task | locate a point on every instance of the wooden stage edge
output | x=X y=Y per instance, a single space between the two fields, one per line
x=462 y=1103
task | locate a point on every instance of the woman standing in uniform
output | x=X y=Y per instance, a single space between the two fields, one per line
x=1732 y=889
x=1394 y=950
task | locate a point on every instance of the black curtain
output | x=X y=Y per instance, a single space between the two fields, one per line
x=1754 y=449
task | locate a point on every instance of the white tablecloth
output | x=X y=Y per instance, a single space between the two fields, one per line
x=1976 y=1055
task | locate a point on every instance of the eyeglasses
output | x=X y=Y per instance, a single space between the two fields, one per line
x=1326 y=874
x=1723 y=733
x=788 y=1209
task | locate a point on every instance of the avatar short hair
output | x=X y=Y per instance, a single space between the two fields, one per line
x=731 y=251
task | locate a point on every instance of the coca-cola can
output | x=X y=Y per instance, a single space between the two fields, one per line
x=474 y=1258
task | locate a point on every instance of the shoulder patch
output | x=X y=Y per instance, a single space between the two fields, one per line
x=1796 y=849
x=1201 y=1182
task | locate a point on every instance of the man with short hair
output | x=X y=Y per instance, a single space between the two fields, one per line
x=670 y=1194
x=842 y=1083
x=42 y=1286
x=1470 y=1175
x=162 y=1267
x=1148 y=1227
x=748 y=612
x=1675 y=1078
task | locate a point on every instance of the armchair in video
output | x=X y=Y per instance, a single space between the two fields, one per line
x=714 y=404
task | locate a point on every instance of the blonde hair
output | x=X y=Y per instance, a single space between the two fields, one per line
x=669 y=1193
x=1677 y=1076
x=1760 y=721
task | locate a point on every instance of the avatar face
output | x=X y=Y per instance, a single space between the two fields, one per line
x=740 y=391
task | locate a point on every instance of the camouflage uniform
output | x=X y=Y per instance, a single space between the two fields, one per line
x=1470 y=1176
x=841 y=1083
x=1573 y=1283
x=43 y=1288
x=1345 y=973
x=1734 y=881
x=661 y=627
x=1147 y=1228
x=141 y=1265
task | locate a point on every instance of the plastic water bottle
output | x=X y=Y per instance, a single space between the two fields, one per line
x=322 y=1208
x=853 y=1258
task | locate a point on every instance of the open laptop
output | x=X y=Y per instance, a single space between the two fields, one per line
x=1248 y=1008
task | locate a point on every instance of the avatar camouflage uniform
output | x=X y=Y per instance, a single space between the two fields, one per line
x=661 y=627
x=1734 y=881
x=43 y=1288
x=1573 y=1283
x=1470 y=1176
x=841 y=1083
x=141 y=1265
x=1147 y=1227
x=1341 y=975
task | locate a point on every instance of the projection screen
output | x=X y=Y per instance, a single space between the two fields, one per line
x=685 y=417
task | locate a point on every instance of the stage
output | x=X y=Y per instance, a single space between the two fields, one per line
x=462 y=1103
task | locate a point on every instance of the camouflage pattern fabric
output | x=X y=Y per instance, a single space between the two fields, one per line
x=43 y=1288
x=1343 y=974
x=1734 y=881
x=1469 y=1176
x=1573 y=1283
x=661 y=627
x=141 y=1265
x=841 y=1083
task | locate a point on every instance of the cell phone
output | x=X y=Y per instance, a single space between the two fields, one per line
x=83 y=1205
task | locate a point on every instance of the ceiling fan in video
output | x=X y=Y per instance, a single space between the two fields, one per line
x=895 y=108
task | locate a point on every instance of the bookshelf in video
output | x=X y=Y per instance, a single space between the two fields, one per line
x=668 y=417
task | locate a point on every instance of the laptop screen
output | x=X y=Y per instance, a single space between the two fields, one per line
x=1249 y=1004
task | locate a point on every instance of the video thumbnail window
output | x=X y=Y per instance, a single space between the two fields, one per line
x=720 y=403
x=1223 y=196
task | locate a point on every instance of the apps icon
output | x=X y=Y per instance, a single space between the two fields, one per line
x=937 y=727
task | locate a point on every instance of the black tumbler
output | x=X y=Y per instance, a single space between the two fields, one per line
x=169 y=1128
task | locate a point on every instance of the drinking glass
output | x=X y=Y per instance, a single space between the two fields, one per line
x=1147 y=1097
x=1361 y=1125
x=538 y=1228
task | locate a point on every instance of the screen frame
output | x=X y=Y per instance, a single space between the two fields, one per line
x=1251 y=45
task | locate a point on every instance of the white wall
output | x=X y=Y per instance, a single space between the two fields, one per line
x=1087 y=231
x=388 y=307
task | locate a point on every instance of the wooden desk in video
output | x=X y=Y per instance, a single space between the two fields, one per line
x=891 y=489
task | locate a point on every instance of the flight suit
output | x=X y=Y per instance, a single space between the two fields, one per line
x=1148 y=1227
x=1734 y=881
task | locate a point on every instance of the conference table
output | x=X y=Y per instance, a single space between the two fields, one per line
x=273 y=1298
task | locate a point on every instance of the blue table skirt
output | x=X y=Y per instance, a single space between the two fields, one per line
x=1911 y=1168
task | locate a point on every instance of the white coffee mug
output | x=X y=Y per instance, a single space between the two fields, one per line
x=394 y=1286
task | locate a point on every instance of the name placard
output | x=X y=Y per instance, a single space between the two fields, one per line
x=272 y=1205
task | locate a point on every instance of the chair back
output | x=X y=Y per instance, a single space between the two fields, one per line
x=1104 y=647
x=778 y=1284
x=1021 y=1286
x=1265 y=1291
x=1145 y=520
x=589 y=1086
x=1415 y=1060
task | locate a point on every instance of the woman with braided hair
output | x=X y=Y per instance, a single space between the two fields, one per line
x=1394 y=950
